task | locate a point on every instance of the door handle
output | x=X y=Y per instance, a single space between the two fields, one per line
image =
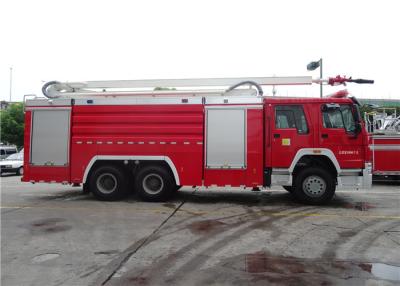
x=324 y=135
x=277 y=135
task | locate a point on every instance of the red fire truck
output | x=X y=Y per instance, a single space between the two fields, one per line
x=115 y=137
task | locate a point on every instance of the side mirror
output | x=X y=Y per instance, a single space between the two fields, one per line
x=358 y=128
x=356 y=112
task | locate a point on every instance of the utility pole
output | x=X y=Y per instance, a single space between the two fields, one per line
x=11 y=82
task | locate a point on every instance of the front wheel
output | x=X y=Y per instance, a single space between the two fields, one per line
x=154 y=184
x=314 y=186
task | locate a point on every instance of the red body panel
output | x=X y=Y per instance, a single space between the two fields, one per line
x=148 y=128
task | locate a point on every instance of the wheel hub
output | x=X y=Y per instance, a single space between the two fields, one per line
x=106 y=183
x=314 y=186
x=153 y=184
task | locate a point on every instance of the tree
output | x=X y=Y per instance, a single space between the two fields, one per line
x=12 y=125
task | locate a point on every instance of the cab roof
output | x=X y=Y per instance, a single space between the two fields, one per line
x=302 y=100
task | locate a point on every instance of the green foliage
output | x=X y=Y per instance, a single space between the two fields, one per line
x=364 y=109
x=12 y=125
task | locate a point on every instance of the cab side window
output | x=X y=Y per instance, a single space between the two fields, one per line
x=341 y=117
x=291 y=116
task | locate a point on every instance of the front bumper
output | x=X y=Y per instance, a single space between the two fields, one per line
x=356 y=179
x=367 y=176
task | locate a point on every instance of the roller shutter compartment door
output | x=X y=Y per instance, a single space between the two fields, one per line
x=50 y=138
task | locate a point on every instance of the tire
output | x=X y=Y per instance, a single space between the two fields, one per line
x=290 y=189
x=314 y=186
x=108 y=183
x=154 y=184
x=20 y=171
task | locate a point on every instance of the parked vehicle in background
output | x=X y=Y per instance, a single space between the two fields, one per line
x=13 y=164
x=6 y=151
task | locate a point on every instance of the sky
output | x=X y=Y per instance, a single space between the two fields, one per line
x=104 y=40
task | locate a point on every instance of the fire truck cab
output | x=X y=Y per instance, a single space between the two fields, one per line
x=154 y=142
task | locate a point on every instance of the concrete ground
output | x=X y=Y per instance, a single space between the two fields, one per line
x=55 y=235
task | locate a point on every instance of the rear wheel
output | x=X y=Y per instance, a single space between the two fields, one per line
x=108 y=183
x=314 y=186
x=154 y=184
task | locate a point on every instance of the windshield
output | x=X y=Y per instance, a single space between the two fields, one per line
x=339 y=118
x=348 y=118
x=16 y=156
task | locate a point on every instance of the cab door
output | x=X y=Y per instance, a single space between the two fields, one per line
x=338 y=132
x=290 y=131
